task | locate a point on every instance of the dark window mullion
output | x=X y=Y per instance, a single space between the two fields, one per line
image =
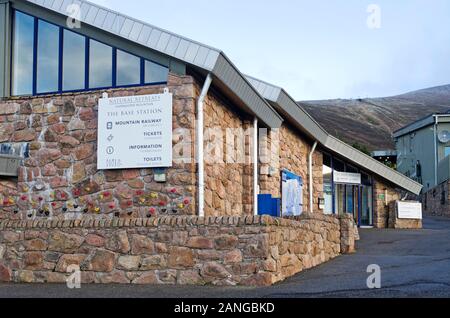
x=142 y=71
x=114 y=67
x=35 y=57
x=60 y=64
x=86 y=61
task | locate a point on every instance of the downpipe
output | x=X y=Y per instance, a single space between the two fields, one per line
x=200 y=145
x=310 y=173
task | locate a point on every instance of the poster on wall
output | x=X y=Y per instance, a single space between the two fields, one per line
x=135 y=132
x=291 y=194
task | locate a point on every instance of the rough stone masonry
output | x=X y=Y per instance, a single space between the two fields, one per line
x=255 y=251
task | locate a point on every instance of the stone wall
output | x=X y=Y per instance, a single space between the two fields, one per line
x=60 y=176
x=293 y=156
x=249 y=250
x=436 y=202
x=228 y=160
x=383 y=196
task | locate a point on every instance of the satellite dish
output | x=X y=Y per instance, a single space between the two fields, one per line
x=444 y=136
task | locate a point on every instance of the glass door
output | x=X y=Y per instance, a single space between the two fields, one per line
x=366 y=206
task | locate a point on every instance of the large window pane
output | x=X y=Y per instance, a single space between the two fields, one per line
x=155 y=73
x=100 y=65
x=47 y=58
x=73 y=61
x=128 y=69
x=327 y=185
x=22 y=68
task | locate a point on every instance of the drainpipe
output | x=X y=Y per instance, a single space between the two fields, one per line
x=310 y=171
x=200 y=146
x=255 y=166
x=436 y=161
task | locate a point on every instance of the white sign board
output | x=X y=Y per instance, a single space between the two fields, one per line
x=409 y=210
x=135 y=132
x=347 y=178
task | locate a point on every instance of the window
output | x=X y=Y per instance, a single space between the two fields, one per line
x=128 y=69
x=327 y=184
x=100 y=65
x=155 y=73
x=47 y=58
x=22 y=65
x=74 y=49
x=447 y=151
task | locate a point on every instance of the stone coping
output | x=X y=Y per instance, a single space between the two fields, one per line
x=173 y=221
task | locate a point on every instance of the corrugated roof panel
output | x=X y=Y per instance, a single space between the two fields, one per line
x=191 y=52
x=57 y=4
x=154 y=37
x=109 y=21
x=136 y=31
x=172 y=45
x=145 y=34
x=126 y=28
x=92 y=14
x=64 y=6
x=182 y=49
x=211 y=59
x=118 y=23
x=48 y=3
x=100 y=18
x=85 y=7
x=201 y=56
x=163 y=41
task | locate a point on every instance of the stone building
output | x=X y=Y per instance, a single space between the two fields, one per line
x=195 y=221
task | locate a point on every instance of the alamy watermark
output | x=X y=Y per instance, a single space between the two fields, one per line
x=73 y=16
x=74 y=279
x=374 y=18
x=374 y=280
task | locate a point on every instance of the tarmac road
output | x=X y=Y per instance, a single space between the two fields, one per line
x=414 y=263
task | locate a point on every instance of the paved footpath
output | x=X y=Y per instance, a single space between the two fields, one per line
x=413 y=263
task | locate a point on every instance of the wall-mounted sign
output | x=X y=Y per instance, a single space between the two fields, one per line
x=409 y=210
x=346 y=178
x=135 y=132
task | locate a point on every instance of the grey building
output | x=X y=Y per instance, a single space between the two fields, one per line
x=423 y=149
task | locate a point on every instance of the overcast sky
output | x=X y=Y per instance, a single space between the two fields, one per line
x=316 y=49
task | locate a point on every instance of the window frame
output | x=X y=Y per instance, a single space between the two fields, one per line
x=86 y=62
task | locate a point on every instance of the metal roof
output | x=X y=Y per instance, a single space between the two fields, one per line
x=301 y=119
x=421 y=123
x=190 y=52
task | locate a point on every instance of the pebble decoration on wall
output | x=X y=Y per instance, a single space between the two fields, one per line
x=103 y=203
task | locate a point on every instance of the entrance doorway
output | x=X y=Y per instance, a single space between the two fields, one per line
x=355 y=200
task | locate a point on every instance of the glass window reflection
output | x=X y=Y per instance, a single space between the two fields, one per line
x=128 y=69
x=73 y=61
x=100 y=65
x=22 y=64
x=155 y=73
x=47 y=58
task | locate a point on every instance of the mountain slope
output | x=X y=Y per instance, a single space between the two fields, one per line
x=370 y=122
